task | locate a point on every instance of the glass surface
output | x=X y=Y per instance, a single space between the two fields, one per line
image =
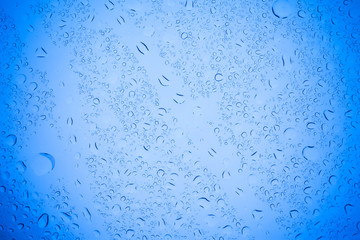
x=190 y=119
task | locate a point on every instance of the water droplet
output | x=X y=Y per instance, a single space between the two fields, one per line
x=33 y=86
x=66 y=217
x=21 y=78
x=245 y=230
x=87 y=214
x=97 y=233
x=20 y=226
x=257 y=214
x=332 y=179
x=294 y=213
x=11 y=140
x=282 y=8
x=184 y=35
x=130 y=233
x=21 y=167
x=42 y=163
x=348 y=207
x=43 y=220
x=96 y=101
x=160 y=173
x=160 y=140
x=218 y=77
x=116 y=209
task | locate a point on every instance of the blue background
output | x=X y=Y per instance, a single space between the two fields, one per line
x=179 y=119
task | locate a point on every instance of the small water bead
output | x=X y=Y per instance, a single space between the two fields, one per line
x=184 y=35
x=21 y=167
x=96 y=101
x=294 y=213
x=20 y=226
x=218 y=77
x=160 y=173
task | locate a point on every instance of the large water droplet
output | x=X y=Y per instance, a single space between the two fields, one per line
x=43 y=220
x=42 y=163
x=11 y=140
x=282 y=8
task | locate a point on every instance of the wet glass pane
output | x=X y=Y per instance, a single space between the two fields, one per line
x=179 y=119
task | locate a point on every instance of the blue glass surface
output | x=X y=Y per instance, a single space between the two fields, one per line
x=188 y=119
